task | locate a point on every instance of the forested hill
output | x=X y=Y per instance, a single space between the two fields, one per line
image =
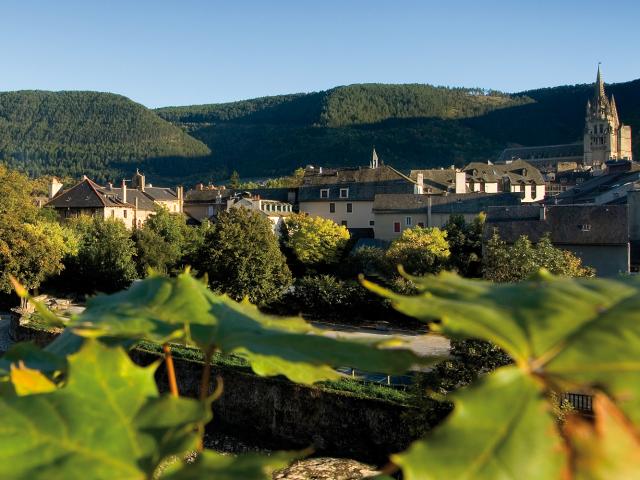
x=99 y=134
x=350 y=105
x=410 y=125
x=106 y=136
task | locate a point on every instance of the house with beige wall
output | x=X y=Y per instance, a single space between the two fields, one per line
x=347 y=195
x=517 y=177
x=131 y=205
x=275 y=211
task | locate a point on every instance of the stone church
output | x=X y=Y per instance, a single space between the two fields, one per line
x=605 y=138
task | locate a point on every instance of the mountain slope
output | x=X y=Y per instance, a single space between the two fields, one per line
x=410 y=125
x=98 y=134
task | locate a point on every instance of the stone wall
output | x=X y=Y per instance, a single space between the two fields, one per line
x=274 y=413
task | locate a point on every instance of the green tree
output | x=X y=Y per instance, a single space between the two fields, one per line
x=315 y=240
x=504 y=263
x=420 y=250
x=31 y=247
x=465 y=243
x=163 y=242
x=105 y=259
x=241 y=256
x=234 y=180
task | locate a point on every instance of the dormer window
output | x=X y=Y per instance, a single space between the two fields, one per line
x=324 y=193
x=344 y=193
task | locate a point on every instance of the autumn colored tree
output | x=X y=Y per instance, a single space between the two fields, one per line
x=420 y=250
x=315 y=240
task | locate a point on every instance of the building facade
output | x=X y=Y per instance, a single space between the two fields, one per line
x=605 y=138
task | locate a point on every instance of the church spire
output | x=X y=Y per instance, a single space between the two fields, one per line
x=614 y=109
x=599 y=93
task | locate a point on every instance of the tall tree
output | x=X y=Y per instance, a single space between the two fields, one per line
x=465 y=243
x=241 y=256
x=105 y=260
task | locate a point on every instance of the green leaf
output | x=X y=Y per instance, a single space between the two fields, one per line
x=210 y=464
x=572 y=332
x=500 y=428
x=107 y=420
x=183 y=309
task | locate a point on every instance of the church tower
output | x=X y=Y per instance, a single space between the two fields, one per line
x=605 y=138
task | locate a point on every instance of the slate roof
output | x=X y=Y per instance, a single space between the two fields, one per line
x=144 y=201
x=607 y=224
x=383 y=173
x=589 y=190
x=438 y=180
x=452 y=204
x=572 y=151
x=162 y=194
x=86 y=194
x=357 y=191
x=518 y=172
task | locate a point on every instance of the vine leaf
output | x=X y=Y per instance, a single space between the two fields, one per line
x=182 y=309
x=572 y=332
x=105 y=420
x=604 y=449
x=210 y=464
x=500 y=428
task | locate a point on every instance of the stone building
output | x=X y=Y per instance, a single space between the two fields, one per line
x=130 y=204
x=605 y=138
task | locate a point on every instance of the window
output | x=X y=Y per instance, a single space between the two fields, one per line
x=113 y=213
x=396 y=227
x=349 y=207
x=408 y=221
x=332 y=208
x=344 y=223
x=124 y=214
x=585 y=228
x=324 y=193
x=344 y=193
x=371 y=223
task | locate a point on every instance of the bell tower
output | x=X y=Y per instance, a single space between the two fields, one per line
x=605 y=138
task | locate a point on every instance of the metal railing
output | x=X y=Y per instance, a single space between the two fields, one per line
x=579 y=401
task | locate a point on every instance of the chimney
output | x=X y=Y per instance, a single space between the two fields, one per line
x=461 y=182
x=124 y=190
x=180 y=192
x=419 y=183
x=54 y=187
x=543 y=212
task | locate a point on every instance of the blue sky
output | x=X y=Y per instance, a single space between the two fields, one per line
x=186 y=52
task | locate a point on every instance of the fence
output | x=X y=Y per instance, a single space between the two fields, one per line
x=580 y=401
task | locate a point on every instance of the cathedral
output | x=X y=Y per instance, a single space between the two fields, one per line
x=605 y=138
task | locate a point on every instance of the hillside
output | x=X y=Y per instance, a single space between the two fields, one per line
x=99 y=134
x=410 y=125
x=107 y=136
